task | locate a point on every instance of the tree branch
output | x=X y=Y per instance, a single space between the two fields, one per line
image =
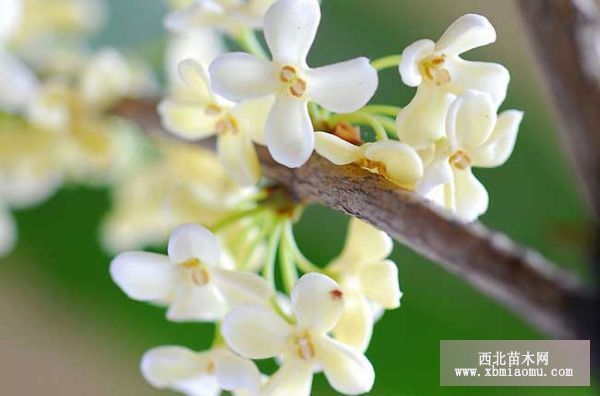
x=521 y=279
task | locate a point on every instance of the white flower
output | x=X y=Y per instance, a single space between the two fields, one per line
x=395 y=161
x=290 y=29
x=188 y=280
x=194 y=112
x=256 y=332
x=200 y=373
x=476 y=138
x=439 y=72
x=19 y=84
x=231 y=16
x=368 y=281
x=11 y=12
x=8 y=231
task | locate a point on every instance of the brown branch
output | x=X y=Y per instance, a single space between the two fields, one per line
x=521 y=279
x=566 y=37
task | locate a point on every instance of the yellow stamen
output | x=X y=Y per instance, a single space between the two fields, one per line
x=304 y=346
x=460 y=160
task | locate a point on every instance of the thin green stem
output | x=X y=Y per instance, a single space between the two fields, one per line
x=234 y=218
x=249 y=43
x=288 y=267
x=364 y=119
x=386 y=62
x=389 y=125
x=391 y=111
x=218 y=339
x=268 y=271
x=303 y=263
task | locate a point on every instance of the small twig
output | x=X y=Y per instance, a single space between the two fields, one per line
x=521 y=279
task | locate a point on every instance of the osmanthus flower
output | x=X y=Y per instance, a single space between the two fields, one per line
x=290 y=28
x=440 y=74
x=189 y=279
x=195 y=112
x=368 y=280
x=396 y=161
x=256 y=332
x=200 y=373
x=231 y=16
x=477 y=137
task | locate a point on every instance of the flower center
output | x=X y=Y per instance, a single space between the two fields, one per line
x=212 y=109
x=227 y=124
x=460 y=160
x=196 y=272
x=373 y=166
x=210 y=367
x=295 y=85
x=433 y=69
x=304 y=346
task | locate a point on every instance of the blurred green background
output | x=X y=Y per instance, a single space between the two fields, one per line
x=68 y=330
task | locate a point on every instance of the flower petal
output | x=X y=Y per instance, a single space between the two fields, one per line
x=290 y=29
x=10 y=18
x=470 y=121
x=289 y=133
x=168 y=366
x=471 y=197
x=422 y=122
x=364 y=244
x=336 y=150
x=19 y=84
x=201 y=45
x=238 y=156
x=402 y=163
x=143 y=276
x=190 y=241
x=241 y=287
x=236 y=373
x=255 y=332
x=347 y=370
x=254 y=114
x=412 y=55
x=197 y=303
x=491 y=78
x=500 y=145
x=435 y=174
x=343 y=87
x=356 y=326
x=467 y=32
x=188 y=121
x=196 y=78
x=240 y=76
x=294 y=378
x=317 y=302
x=380 y=283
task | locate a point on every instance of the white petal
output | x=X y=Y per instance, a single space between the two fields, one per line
x=290 y=29
x=252 y=115
x=343 y=87
x=165 y=367
x=294 y=378
x=317 y=302
x=197 y=303
x=238 y=156
x=240 y=76
x=364 y=244
x=11 y=12
x=467 y=32
x=471 y=197
x=403 y=165
x=410 y=64
x=143 y=276
x=8 y=232
x=289 y=133
x=18 y=86
x=236 y=373
x=435 y=174
x=201 y=45
x=190 y=241
x=188 y=121
x=422 y=122
x=491 y=78
x=348 y=371
x=356 y=326
x=336 y=150
x=380 y=283
x=241 y=287
x=255 y=332
x=196 y=78
x=471 y=120
x=500 y=145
